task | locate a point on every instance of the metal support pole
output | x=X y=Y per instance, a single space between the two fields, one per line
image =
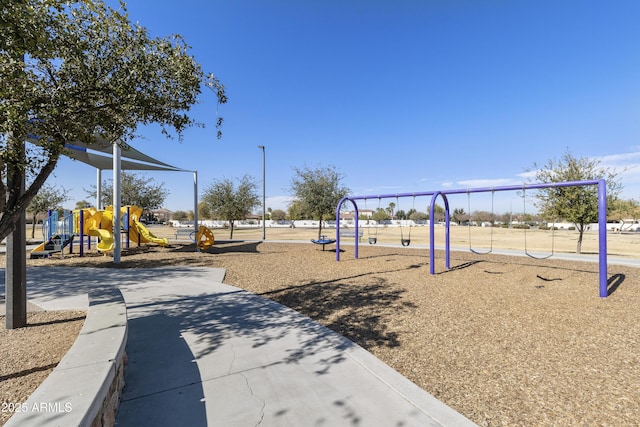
x=98 y=188
x=81 y=231
x=195 y=209
x=602 y=237
x=117 y=243
x=126 y=225
x=264 y=204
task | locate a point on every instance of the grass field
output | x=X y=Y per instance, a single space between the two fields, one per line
x=540 y=242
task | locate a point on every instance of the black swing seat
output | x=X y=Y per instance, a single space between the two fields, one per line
x=530 y=255
x=373 y=240
x=405 y=242
x=477 y=252
x=323 y=240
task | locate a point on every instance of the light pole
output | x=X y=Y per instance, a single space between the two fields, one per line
x=264 y=204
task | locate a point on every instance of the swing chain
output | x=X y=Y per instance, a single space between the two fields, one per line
x=407 y=241
x=553 y=230
x=475 y=251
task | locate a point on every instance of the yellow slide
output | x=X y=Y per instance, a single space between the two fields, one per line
x=37 y=250
x=204 y=238
x=106 y=239
x=92 y=224
x=100 y=223
x=139 y=233
x=55 y=244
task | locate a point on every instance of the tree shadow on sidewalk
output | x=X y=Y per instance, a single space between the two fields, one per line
x=358 y=312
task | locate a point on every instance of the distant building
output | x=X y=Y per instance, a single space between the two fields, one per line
x=253 y=217
x=363 y=213
x=162 y=215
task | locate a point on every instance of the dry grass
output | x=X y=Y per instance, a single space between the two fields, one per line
x=503 y=340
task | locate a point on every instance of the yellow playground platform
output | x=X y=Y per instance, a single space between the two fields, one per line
x=98 y=223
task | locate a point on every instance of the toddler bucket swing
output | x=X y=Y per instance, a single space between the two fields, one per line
x=372 y=239
x=407 y=241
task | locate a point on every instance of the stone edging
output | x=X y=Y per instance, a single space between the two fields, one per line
x=84 y=389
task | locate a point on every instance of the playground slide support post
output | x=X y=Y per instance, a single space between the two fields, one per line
x=126 y=224
x=67 y=226
x=81 y=216
x=51 y=224
x=72 y=231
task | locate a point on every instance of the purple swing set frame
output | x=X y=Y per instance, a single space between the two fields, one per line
x=602 y=219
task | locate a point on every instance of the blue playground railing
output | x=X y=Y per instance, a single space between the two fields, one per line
x=54 y=226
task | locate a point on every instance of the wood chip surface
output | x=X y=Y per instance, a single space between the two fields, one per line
x=504 y=340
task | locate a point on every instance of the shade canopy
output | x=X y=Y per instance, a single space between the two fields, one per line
x=132 y=159
x=117 y=159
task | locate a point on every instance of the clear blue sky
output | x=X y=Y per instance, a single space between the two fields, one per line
x=399 y=96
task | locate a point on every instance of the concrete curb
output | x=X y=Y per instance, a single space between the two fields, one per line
x=440 y=413
x=84 y=389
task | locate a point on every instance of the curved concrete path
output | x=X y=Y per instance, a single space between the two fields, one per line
x=204 y=353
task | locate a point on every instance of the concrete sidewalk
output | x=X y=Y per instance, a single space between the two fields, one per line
x=204 y=353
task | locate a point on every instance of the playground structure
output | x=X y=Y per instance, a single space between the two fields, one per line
x=204 y=238
x=87 y=223
x=602 y=219
x=58 y=235
x=323 y=240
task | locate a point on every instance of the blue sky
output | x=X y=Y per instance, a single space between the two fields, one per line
x=400 y=96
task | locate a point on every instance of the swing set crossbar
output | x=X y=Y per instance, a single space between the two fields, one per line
x=602 y=218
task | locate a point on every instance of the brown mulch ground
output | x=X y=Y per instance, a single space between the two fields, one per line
x=503 y=340
x=30 y=354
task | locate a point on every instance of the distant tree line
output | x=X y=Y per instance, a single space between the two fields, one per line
x=317 y=191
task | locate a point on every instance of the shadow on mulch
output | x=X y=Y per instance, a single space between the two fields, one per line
x=357 y=312
x=153 y=256
x=614 y=282
x=53 y=322
x=27 y=372
x=230 y=247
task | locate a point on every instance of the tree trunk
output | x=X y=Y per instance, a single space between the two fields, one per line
x=33 y=227
x=320 y=228
x=579 y=244
x=231 y=229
